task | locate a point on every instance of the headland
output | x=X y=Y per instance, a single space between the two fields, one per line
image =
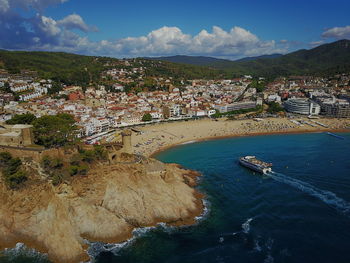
x=58 y=200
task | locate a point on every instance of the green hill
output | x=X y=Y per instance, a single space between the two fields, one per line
x=192 y=60
x=322 y=60
x=83 y=70
x=59 y=66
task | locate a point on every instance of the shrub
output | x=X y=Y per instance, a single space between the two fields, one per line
x=5 y=157
x=11 y=170
x=73 y=170
x=78 y=170
x=100 y=152
x=56 y=179
x=88 y=156
x=14 y=180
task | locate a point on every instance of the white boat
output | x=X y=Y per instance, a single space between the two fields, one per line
x=254 y=164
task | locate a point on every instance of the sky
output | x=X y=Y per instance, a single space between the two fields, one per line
x=228 y=29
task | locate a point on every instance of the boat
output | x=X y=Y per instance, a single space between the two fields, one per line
x=254 y=164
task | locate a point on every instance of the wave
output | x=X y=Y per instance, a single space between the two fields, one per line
x=189 y=142
x=206 y=211
x=95 y=248
x=327 y=197
x=21 y=250
x=246 y=226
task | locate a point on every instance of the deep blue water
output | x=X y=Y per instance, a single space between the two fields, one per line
x=299 y=214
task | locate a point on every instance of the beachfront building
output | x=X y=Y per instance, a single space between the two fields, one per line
x=223 y=108
x=302 y=106
x=336 y=108
x=332 y=106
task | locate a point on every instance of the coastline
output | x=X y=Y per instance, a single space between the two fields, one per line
x=168 y=147
x=90 y=210
x=157 y=138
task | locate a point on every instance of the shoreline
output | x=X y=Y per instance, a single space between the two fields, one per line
x=152 y=155
x=175 y=173
x=151 y=140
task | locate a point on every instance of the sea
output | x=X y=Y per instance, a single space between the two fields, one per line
x=298 y=213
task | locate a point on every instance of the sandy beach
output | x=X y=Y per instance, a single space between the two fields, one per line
x=158 y=137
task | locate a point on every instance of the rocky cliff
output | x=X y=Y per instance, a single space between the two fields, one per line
x=103 y=206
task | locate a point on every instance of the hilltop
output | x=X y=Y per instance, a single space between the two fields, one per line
x=83 y=70
x=73 y=69
x=322 y=60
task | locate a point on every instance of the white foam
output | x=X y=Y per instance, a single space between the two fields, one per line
x=189 y=142
x=22 y=250
x=95 y=248
x=206 y=210
x=327 y=197
x=257 y=246
x=246 y=226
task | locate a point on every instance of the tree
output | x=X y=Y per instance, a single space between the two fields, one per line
x=147 y=117
x=275 y=107
x=27 y=118
x=260 y=86
x=11 y=170
x=54 y=131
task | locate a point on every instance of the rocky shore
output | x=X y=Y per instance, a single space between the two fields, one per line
x=106 y=205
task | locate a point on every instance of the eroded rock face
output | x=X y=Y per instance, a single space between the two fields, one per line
x=103 y=206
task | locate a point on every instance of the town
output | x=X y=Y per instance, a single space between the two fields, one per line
x=100 y=109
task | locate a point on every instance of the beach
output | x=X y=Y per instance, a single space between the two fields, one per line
x=157 y=137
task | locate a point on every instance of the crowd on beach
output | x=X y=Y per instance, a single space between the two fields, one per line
x=154 y=138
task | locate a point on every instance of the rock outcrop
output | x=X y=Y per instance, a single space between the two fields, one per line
x=104 y=206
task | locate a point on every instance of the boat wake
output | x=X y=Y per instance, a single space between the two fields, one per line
x=327 y=197
x=246 y=226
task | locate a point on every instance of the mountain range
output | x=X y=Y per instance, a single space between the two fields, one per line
x=322 y=60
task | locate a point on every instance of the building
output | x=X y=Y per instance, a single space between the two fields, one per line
x=274 y=98
x=331 y=106
x=302 y=106
x=235 y=106
x=18 y=135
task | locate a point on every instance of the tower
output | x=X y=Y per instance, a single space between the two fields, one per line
x=126 y=139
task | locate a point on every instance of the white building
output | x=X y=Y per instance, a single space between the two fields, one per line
x=302 y=106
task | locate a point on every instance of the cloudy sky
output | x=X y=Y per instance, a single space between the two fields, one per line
x=221 y=28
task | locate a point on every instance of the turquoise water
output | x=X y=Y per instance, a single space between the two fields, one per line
x=301 y=213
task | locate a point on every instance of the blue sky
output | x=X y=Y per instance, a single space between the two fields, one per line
x=222 y=28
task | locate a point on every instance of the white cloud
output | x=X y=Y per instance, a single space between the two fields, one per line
x=75 y=21
x=337 y=32
x=171 y=40
x=6 y=5
x=45 y=33
x=48 y=26
x=316 y=43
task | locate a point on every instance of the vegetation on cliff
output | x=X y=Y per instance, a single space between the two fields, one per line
x=59 y=170
x=55 y=131
x=12 y=171
x=49 y=130
x=106 y=205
